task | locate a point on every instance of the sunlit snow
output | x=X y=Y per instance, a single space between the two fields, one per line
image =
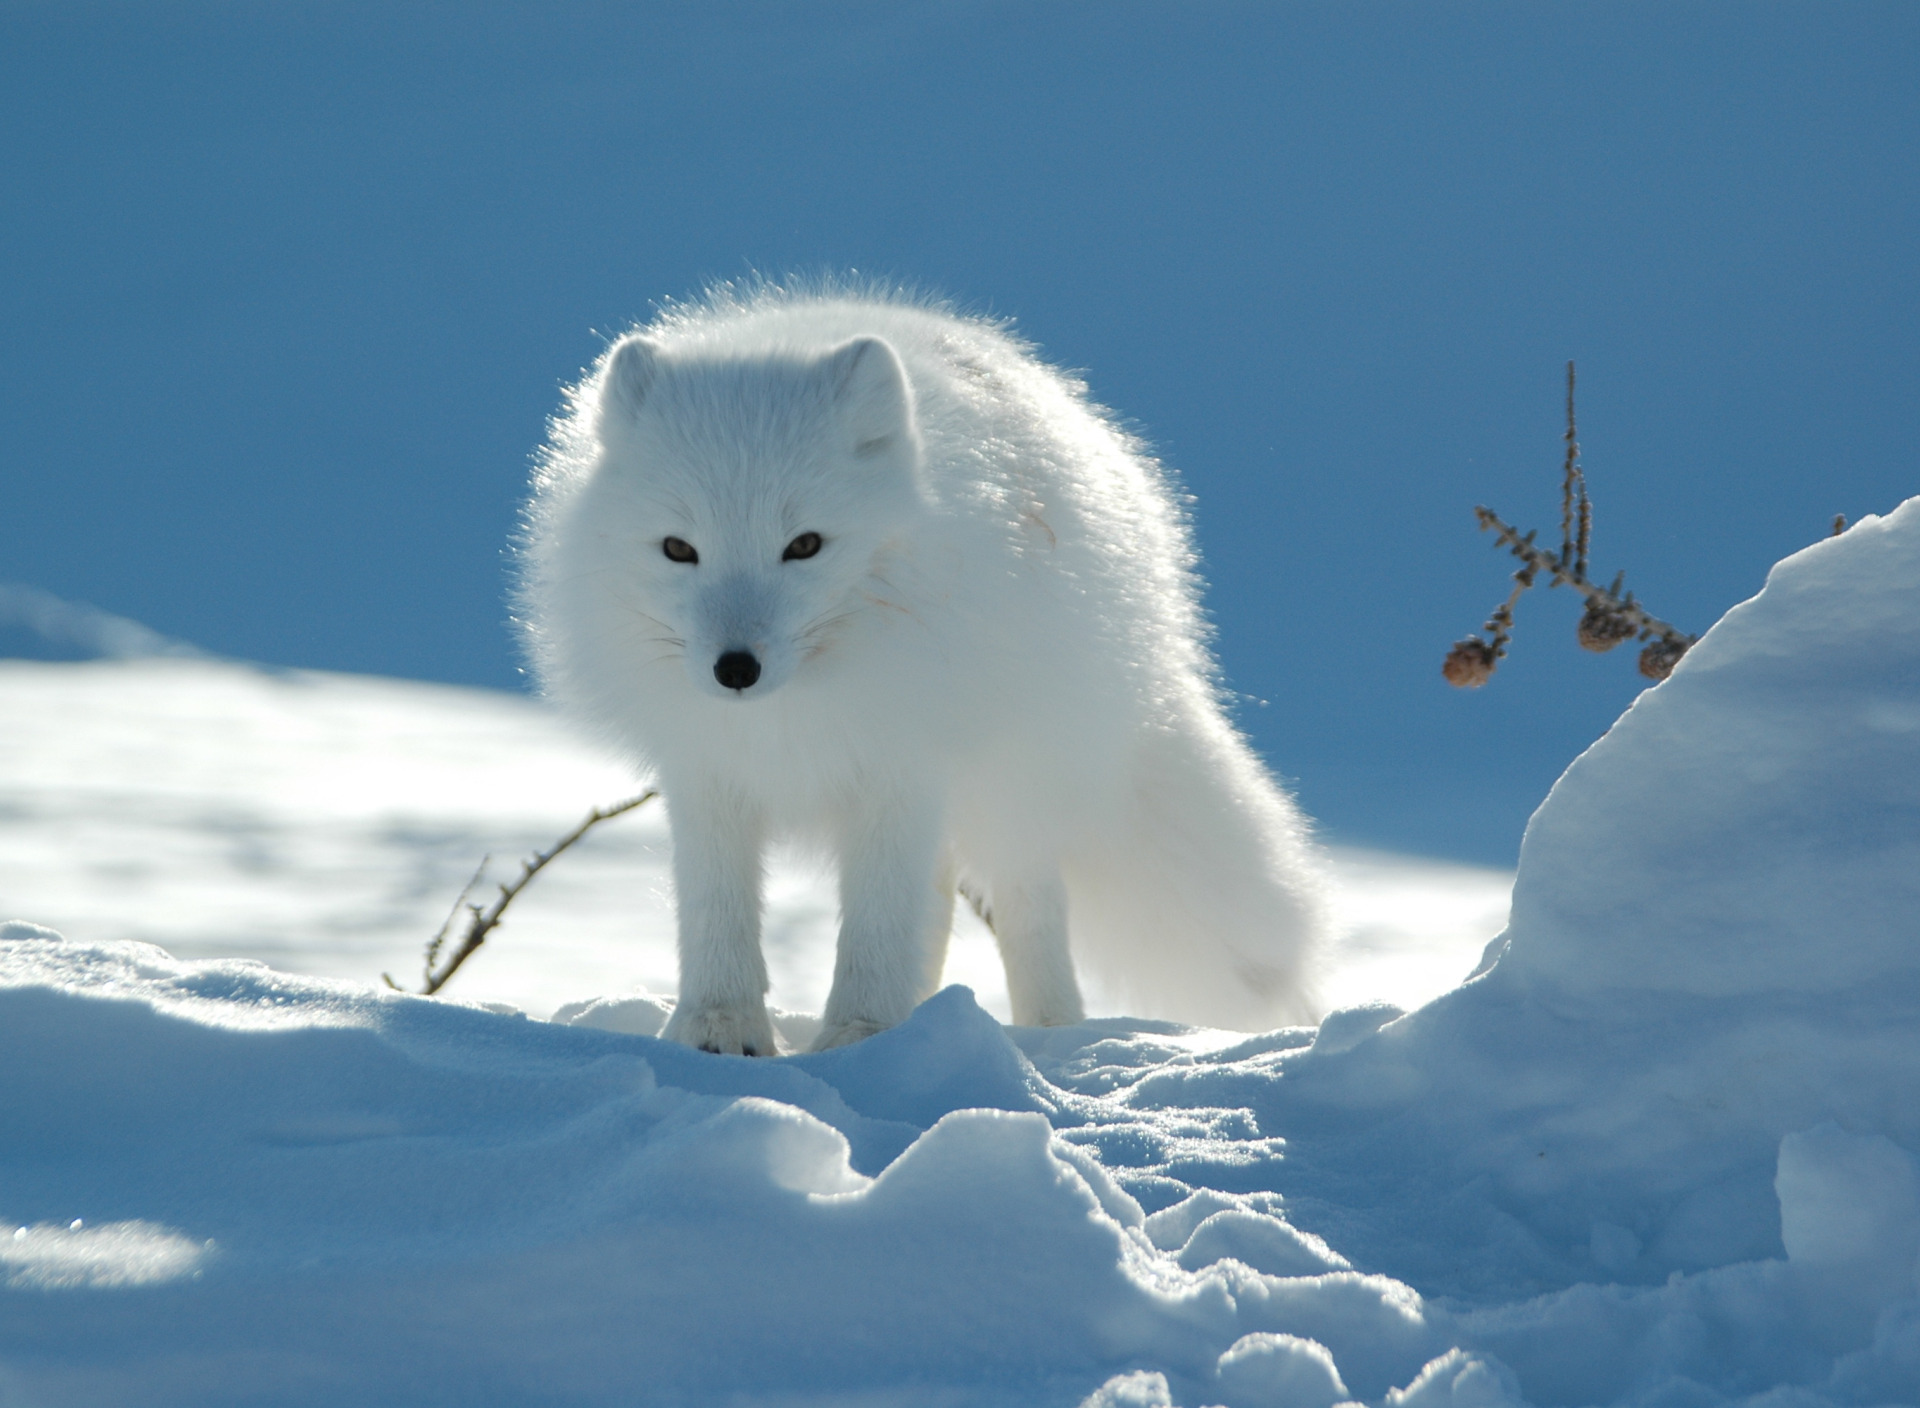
x=325 y=823
x=1659 y=1154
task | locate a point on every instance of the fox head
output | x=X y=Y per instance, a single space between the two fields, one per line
x=749 y=501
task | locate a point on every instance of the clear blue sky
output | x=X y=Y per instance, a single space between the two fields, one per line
x=287 y=290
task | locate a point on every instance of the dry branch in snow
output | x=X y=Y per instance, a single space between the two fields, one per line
x=483 y=921
x=1610 y=617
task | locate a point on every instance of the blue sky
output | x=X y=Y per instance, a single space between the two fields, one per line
x=288 y=290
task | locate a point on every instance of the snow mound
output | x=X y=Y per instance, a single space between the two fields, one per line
x=1753 y=828
x=314 y=1194
x=1660 y=1152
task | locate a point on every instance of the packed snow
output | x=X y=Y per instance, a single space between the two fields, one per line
x=1659 y=1151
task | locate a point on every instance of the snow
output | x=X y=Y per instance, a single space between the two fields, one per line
x=1662 y=1152
x=324 y=823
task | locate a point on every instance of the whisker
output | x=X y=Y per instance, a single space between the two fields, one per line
x=890 y=605
x=645 y=617
x=821 y=625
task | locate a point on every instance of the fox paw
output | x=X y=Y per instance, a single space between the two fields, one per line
x=845 y=1033
x=729 y=1031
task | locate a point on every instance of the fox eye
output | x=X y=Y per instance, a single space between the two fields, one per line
x=679 y=550
x=806 y=545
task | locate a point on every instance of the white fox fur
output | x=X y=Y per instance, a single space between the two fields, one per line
x=992 y=675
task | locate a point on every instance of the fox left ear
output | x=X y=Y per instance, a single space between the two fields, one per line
x=631 y=368
x=871 y=391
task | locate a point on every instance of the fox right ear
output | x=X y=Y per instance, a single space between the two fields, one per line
x=871 y=389
x=631 y=369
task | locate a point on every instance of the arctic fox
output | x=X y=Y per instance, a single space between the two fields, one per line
x=849 y=568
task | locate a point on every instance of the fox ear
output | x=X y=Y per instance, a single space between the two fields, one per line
x=871 y=391
x=631 y=368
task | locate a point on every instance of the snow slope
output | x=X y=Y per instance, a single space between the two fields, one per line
x=1660 y=1153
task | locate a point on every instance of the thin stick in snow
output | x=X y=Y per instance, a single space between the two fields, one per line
x=1611 y=615
x=483 y=921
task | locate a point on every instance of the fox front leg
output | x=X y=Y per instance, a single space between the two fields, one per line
x=895 y=907
x=1028 y=916
x=717 y=841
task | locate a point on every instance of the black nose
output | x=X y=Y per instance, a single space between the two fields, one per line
x=736 y=670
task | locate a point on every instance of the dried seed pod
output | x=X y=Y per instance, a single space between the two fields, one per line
x=1602 y=629
x=1609 y=616
x=1469 y=664
x=1660 y=656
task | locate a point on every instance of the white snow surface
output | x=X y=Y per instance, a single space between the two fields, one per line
x=1662 y=1152
x=324 y=823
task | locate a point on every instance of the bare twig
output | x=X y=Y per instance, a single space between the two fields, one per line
x=446 y=925
x=483 y=921
x=1605 y=600
x=1610 y=617
x=1576 y=511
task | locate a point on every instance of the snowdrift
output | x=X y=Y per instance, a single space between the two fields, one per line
x=1660 y=1151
